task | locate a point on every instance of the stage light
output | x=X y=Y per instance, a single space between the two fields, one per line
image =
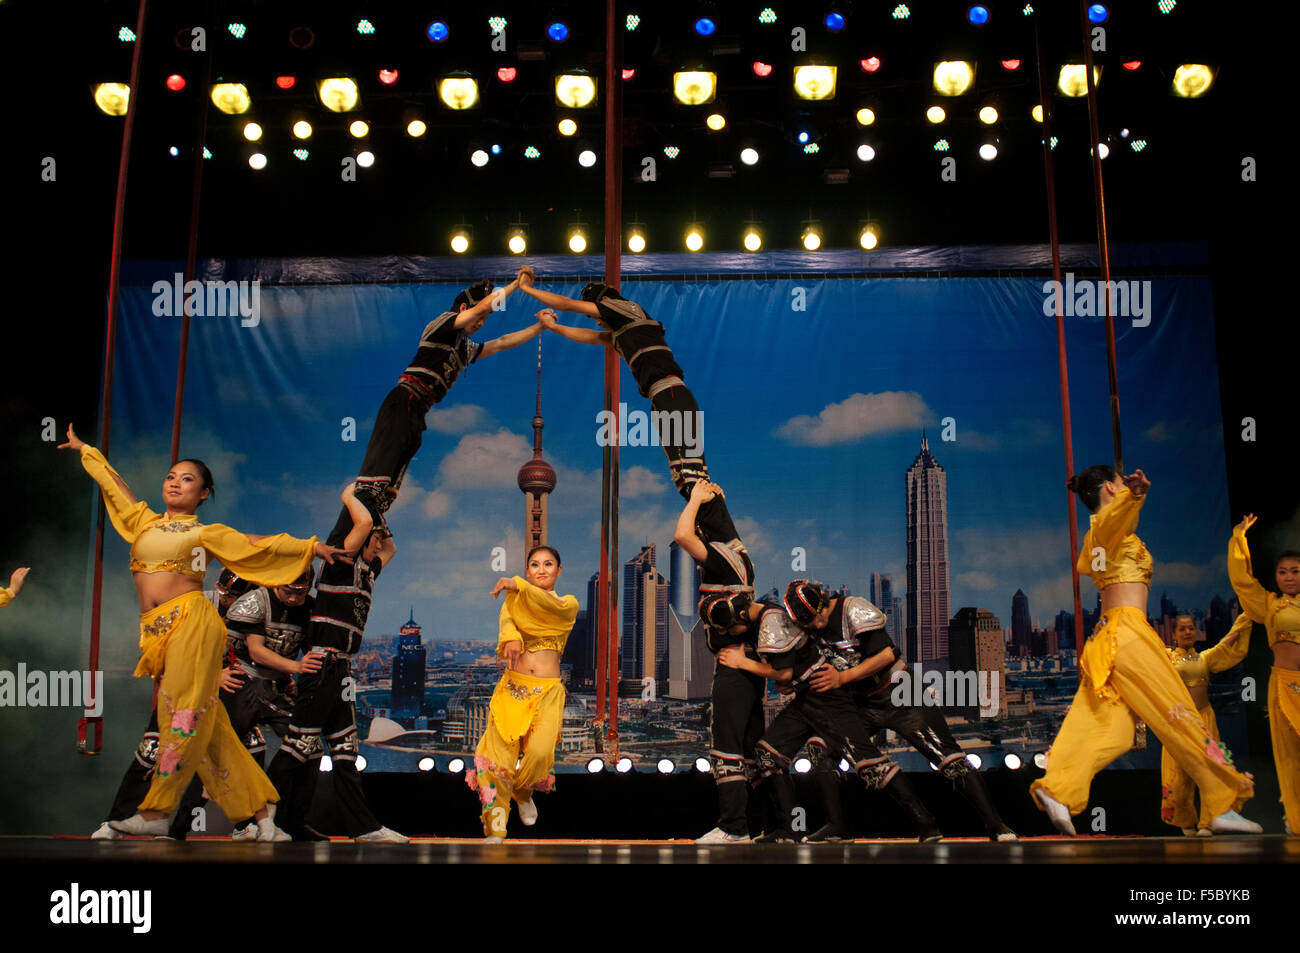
x=1097 y=13
x=1138 y=145
x=365 y=28
x=941 y=145
x=665 y=766
x=456 y=765
x=1037 y=113
x=901 y=12
x=577 y=241
x=988 y=152
x=695 y=87
x=416 y=128
x=672 y=152
x=558 y=32
x=628 y=74
x=868 y=238
x=834 y=22
x=953 y=77
x=866 y=153
x=388 y=76
x=632 y=22
x=762 y=69
x=517 y=242
x=497 y=24
x=326 y=764
x=812 y=238
x=636 y=241
x=1073 y=80
x=1103 y=150
x=934 y=767
x=175 y=82
x=359 y=129
x=1192 y=80
x=361 y=762
x=231 y=98
x=595 y=766
x=802 y=765
x=815 y=82
x=702 y=765
x=988 y=115
x=866 y=116
x=936 y=114
x=803 y=136
x=716 y=122
x=206 y=153
x=257 y=161
x=460 y=242
x=507 y=74
x=302 y=129
x=425 y=764
x=586 y=158
x=113 y=98
x=844 y=766
x=767 y=16
x=567 y=127
x=338 y=94
x=365 y=159
x=1054 y=141
x=975 y=760
x=459 y=91
x=532 y=152
x=575 y=90
x=237 y=30
x=1166 y=6
x=1028 y=9
x=705 y=27
x=438 y=31
x=301 y=154
x=753 y=239
x=811 y=149
x=479 y=158
x=749 y=156
x=285 y=82
x=1133 y=65
x=978 y=15
x=1123 y=133
x=870 y=64
x=173 y=152
x=126 y=35
x=1011 y=65
x=1012 y=761
x=624 y=765
x=1040 y=760
x=694 y=239
x=252 y=131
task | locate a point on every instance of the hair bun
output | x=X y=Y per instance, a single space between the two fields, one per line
x=1072 y=484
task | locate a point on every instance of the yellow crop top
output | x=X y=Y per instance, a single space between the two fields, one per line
x=181 y=544
x=6 y=596
x=1194 y=667
x=1279 y=614
x=1123 y=556
x=536 y=617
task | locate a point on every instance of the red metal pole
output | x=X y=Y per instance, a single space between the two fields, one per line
x=84 y=744
x=1063 y=371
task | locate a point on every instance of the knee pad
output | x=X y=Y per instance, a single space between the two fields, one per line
x=727 y=767
x=303 y=745
x=343 y=744
x=876 y=772
x=146 y=752
x=954 y=766
x=769 y=761
x=820 y=755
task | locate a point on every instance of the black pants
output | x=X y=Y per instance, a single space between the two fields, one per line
x=736 y=724
x=833 y=717
x=393 y=442
x=324 y=715
x=686 y=463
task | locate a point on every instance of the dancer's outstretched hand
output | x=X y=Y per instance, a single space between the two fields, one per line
x=702 y=491
x=548 y=318
x=17 y=578
x=526 y=276
x=331 y=553
x=74 y=442
x=1247 y=522
x=504 y=584
x=1137 y=483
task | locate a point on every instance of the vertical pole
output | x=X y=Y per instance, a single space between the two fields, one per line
x=1063 y=371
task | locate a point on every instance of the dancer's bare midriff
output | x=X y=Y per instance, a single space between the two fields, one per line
x=155 y=588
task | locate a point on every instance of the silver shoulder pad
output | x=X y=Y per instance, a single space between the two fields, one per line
x=860 y=615
x=778 y=633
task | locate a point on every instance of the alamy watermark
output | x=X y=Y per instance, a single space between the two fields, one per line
x=914 y=686
x=211 y=299
x=657 y=428
x=78 y=906
x=38 y=689
x=1084 y=299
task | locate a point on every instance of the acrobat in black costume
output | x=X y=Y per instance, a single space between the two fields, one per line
x=849 y=632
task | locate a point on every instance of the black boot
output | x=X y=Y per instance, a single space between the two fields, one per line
x=782 y=789
x=972 y=786
x=833 y=831
x=900 y=789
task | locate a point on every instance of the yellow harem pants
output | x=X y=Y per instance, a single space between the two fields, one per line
x=182 y=642
x=1177 y=792
x=1127 y=675
x=516 y=754
x=1284 y=725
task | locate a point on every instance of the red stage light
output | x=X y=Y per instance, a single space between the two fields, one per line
x=285 y=82
x=870 y=64
x=175 y=82
x=1132 y=65
x=507 y=74
x=628 y=73
x=762 y=69
x=1011 y=65
x=388 y=76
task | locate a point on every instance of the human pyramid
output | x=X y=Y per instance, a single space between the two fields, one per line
x=243 y=643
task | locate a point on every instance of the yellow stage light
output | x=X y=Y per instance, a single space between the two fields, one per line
x=567 y=127
x=988 y=115
x=338 y=94
x=113 y=98
x=936 y=114
x=815 y=82
x=953 y=77
x=866 y=116
x=868 y=239
x=575 y=90
x=518 y=243
x=577 y=242
x=1037 y=113
x=359 y=129
x=1192 y=80
x=812 y=239
x=302 y=129
x=694 y=239
x=716 y=121
x=458 y=92
x=231 y=98
x=252 y=131
x=753 y=241
x=636 y=243
x=695 y=87
x=416 y=128
x=1073 y=80
x=460 y=243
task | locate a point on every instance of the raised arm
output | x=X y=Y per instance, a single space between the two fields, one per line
x=473 y=315
x=387 y=549
x=1113 y=522
x=552 y=300
x=507 y=341
x=1232 y=648
x=362 y=521
x=1252 y=596
x=127 y=513
x=684 y=535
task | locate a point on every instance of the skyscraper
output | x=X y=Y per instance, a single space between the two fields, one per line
x=408 y=672
x=536 y=477
x=631 y=645
x=975 y=645
x=928 y=593
x=1021 y=627
x=690 y=663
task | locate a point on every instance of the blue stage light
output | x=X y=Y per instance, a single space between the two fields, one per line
x=834 y=22
x=1098 y=13
x=978 y=15
x=438 y=31
x=803 y=136
x=496 y=149
x=705 y=27
x=558 y=32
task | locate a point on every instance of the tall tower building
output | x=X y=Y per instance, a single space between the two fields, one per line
x=690 y=663
x=975 y=645
x=636 y=571
x=928 y=593
x=1021 y=627
x=408 y=671
x=536 y=477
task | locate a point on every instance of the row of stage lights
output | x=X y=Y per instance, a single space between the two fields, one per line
x=624 y=765
x=692 y=240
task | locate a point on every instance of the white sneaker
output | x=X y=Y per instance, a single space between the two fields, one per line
x=494 y=839
x=527 y=812
x=1189 y=831
x=1204 y=832
x=268 y=833
x=104 y=832
x=1057 y=813
x=136 y=824
x=383 y=836
x=1231 y=822
x=246 y=833
x=719 y=836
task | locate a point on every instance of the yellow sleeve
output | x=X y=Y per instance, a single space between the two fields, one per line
x=274 y=561
x=507 y=631
x=1227 y=654
x=6 y=596
x=556 y=609
x=1252 y=596
x=1117 y=519
x=127 y=517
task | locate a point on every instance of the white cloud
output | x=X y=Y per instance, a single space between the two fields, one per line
x=437 y=504
x=978 y=580
x=458 y=418
x=1049 y=597
x=1158 y=432
x=752 y=535
x=483 y=460
x=1208 y=574
x=857 y=417
x=638 y=481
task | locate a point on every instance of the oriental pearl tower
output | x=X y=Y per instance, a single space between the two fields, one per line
x=536 y=477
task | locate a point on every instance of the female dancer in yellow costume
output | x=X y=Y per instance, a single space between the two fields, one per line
x=1280 y=614
x=1194 y=668
x=182 y=638
x=527 y=708
x=1125 y=674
